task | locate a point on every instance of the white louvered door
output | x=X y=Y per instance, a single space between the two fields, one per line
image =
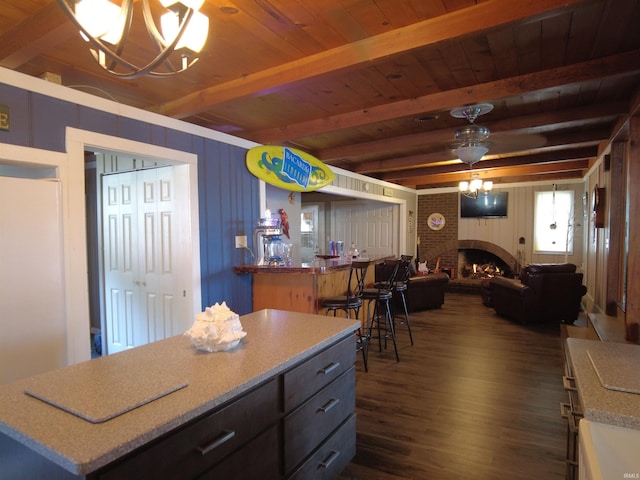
x=142 y=293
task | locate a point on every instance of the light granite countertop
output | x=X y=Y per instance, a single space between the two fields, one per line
x=275 y=341
x=601 y=404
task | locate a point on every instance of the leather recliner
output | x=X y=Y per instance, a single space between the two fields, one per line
x=546 y=292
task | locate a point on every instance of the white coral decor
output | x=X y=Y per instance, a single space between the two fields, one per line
x=216 y=329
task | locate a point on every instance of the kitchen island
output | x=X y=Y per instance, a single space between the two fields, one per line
x=608 y=387
x=263 y=410
x=594 y=362
x=300 y=289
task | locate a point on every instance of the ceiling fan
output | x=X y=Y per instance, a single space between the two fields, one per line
x=471 y=142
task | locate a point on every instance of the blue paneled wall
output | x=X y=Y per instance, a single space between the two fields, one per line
x=228 y=193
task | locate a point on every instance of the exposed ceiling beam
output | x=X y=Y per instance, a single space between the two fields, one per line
x=616 y=65
x=457 y=24
x=558 y=119
x=583 y=153
x=557 y=142
x=500 y=174
x=515 y=178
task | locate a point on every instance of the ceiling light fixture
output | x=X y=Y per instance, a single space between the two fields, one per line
x=106 y=27
x=476 y=185
x=471 y=154
x=470 y=146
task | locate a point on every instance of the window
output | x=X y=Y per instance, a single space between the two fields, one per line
x=553 y=228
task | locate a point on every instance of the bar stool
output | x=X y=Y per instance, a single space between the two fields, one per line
x=352 y=302
x=381 y=295
x=400 y=287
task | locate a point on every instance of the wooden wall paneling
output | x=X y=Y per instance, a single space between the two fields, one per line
x=286 y=291
x=601 y=252
x=616 y=214
x=49 y=119
x=133 y=130
x=98 y=121
x=224 y=183
x=632 y=312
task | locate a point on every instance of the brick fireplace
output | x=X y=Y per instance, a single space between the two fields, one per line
x=482 y=253
x=444 y=244
x=478 y=264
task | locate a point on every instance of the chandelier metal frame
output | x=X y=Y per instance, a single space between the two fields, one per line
x=111 y=59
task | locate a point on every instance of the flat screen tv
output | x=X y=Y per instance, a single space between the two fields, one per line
x=487 y=205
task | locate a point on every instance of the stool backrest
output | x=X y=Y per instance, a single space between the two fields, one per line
x=404 y=271
x=392 y=266
x=357 y=274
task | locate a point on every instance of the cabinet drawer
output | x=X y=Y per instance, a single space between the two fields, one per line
x=306 y=427
x=307 y=378
x=190 y=450
x=258 y=460
x=332 y=457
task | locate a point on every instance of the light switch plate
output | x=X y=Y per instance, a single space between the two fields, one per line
x=241 y=241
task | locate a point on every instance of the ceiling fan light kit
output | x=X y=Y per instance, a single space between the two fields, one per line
x=106 y=27
x=470 y=154
x=469 y=146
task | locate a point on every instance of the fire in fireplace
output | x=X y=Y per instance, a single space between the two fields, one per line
x=478 y=264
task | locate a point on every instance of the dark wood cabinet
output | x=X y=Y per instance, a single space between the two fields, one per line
x=295 y=422
x=309 y=425
x=205 y=442
x=332 y=456
x=280 y=406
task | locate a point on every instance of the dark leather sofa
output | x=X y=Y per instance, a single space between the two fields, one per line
x=424 y=292
x=546 y=292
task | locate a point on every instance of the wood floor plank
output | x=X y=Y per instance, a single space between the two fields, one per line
x=477 y=396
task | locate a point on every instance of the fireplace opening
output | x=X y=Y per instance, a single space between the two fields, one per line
x=477 y=264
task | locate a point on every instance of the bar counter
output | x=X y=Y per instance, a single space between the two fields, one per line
x=301 y=288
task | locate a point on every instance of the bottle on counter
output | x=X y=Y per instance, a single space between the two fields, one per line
x=353 y=251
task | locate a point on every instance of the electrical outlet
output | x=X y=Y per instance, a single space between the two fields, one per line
x=241 y=241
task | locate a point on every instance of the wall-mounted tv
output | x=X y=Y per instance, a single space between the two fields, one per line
x=487 y=205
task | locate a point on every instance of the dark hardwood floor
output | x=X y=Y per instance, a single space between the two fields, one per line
x=477 y=397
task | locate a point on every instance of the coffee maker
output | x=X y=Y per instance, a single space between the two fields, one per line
x=266 y=239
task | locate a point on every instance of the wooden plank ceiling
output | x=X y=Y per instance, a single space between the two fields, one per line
x=367 y=85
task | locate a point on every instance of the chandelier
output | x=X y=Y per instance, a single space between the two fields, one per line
x=470 y=189
x=106 y=27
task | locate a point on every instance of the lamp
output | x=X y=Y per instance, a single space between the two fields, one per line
x=106 y=27
x=471 y=189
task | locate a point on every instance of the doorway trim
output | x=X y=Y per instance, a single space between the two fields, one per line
x=74 y=224
x=402 y=204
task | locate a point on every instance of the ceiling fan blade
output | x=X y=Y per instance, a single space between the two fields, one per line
x=507 y=142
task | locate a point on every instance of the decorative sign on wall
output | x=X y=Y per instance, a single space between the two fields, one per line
x=5 y=123
x=288 y=168
x=436 y=221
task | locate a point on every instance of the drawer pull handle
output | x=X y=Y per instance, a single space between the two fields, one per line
x=329 y=405
x=329 y=368
x=569 y=383
x=329 y=460
x=223 y=438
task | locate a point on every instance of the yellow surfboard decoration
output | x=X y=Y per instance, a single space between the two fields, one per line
x=288 y=168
